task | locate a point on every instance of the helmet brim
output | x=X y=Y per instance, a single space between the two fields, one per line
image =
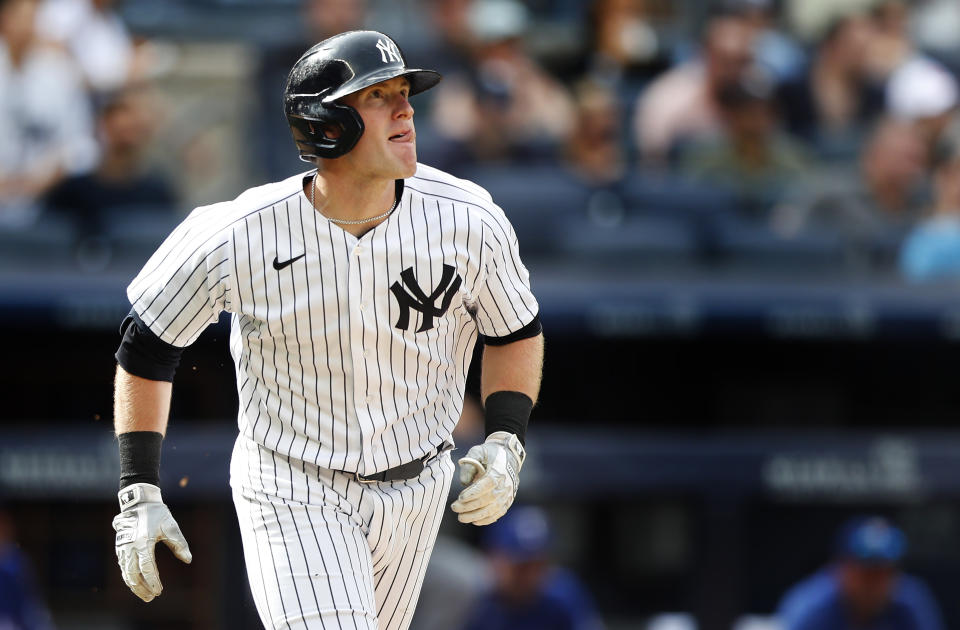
x=420 y=81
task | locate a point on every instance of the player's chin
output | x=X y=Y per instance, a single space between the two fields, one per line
x=406 y=160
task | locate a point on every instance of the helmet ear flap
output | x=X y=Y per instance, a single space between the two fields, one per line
x=311 y=139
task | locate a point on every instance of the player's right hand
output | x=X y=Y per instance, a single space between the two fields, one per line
x=142 y=521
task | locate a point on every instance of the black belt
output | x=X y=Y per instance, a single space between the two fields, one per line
x=404 y=471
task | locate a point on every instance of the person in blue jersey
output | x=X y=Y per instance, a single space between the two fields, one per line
x=864 y=587
x=529 y=592
x=21 y=606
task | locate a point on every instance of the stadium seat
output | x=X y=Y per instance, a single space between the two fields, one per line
x=634 y=239
x=668 y=194
x=134 y=233
x=538 y=201
x=48 y=243
x=754 y=246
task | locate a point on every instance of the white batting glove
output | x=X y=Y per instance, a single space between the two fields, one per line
x=490 y=472
x=142 y=521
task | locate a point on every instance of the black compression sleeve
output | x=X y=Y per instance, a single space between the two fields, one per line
x=139 y=457
x=532 y=329
x=143 y=354
x=508 y=411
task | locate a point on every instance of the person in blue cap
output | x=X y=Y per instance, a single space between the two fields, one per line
x=529 y=592
x=864 y=588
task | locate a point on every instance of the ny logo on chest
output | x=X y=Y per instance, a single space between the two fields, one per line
x=418 y=300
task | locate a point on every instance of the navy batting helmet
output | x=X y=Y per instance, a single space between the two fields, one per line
x=332 y=69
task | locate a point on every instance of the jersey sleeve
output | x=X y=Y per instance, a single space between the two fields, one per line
x=186 y=284
x=505 y=303
x=808 y=605
x=920 y=602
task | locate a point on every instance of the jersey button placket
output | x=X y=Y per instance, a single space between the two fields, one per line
x=359 y=288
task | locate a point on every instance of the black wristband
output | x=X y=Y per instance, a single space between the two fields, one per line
x=508 y=411
x=139 y=457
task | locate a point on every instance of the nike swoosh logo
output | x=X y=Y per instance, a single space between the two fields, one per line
x=280 y=265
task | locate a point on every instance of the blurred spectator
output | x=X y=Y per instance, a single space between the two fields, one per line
x=96 y=37
x=832 y=104
x=529 y=593
x=751 y=157
x=326 y=18
x=864 y=588
x=456 y=576
x=623 y=46
x=810 y=20
x=773 y=49
x=46 y=129
x=594 y=149
x=934 y=25
x=890 y=46
x=681 y=105
x=932 y=249
x=20 y=605
x=873 y=212
x=924 y=92
x=452 y=38
x=507 y=108
x=320 y=19
x=120 y=181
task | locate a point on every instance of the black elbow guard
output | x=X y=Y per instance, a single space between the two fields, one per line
x=532 y=329
x=143 y=354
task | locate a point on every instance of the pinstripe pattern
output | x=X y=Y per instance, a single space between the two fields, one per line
x=353 y=559
x=330 y=384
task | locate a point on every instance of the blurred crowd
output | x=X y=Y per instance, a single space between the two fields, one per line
x=76 y=117
x=517 y=583
x=825 y=127
x=830 y=125
x=69 y=73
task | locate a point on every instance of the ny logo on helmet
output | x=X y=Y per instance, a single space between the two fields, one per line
x=389 y=51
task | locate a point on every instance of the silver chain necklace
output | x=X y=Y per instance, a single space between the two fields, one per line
x=313 y=188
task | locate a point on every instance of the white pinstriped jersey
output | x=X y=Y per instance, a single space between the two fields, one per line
x=351 y=353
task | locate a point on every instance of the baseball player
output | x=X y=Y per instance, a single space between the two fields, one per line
x=357 y=291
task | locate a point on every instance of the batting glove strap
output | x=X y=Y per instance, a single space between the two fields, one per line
x=491 y=474
x=138 y=493
x=512 y=443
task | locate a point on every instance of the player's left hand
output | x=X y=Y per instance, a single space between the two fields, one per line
x=490 y=472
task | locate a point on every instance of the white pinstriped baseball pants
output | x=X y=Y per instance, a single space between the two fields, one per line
x=351 y=556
